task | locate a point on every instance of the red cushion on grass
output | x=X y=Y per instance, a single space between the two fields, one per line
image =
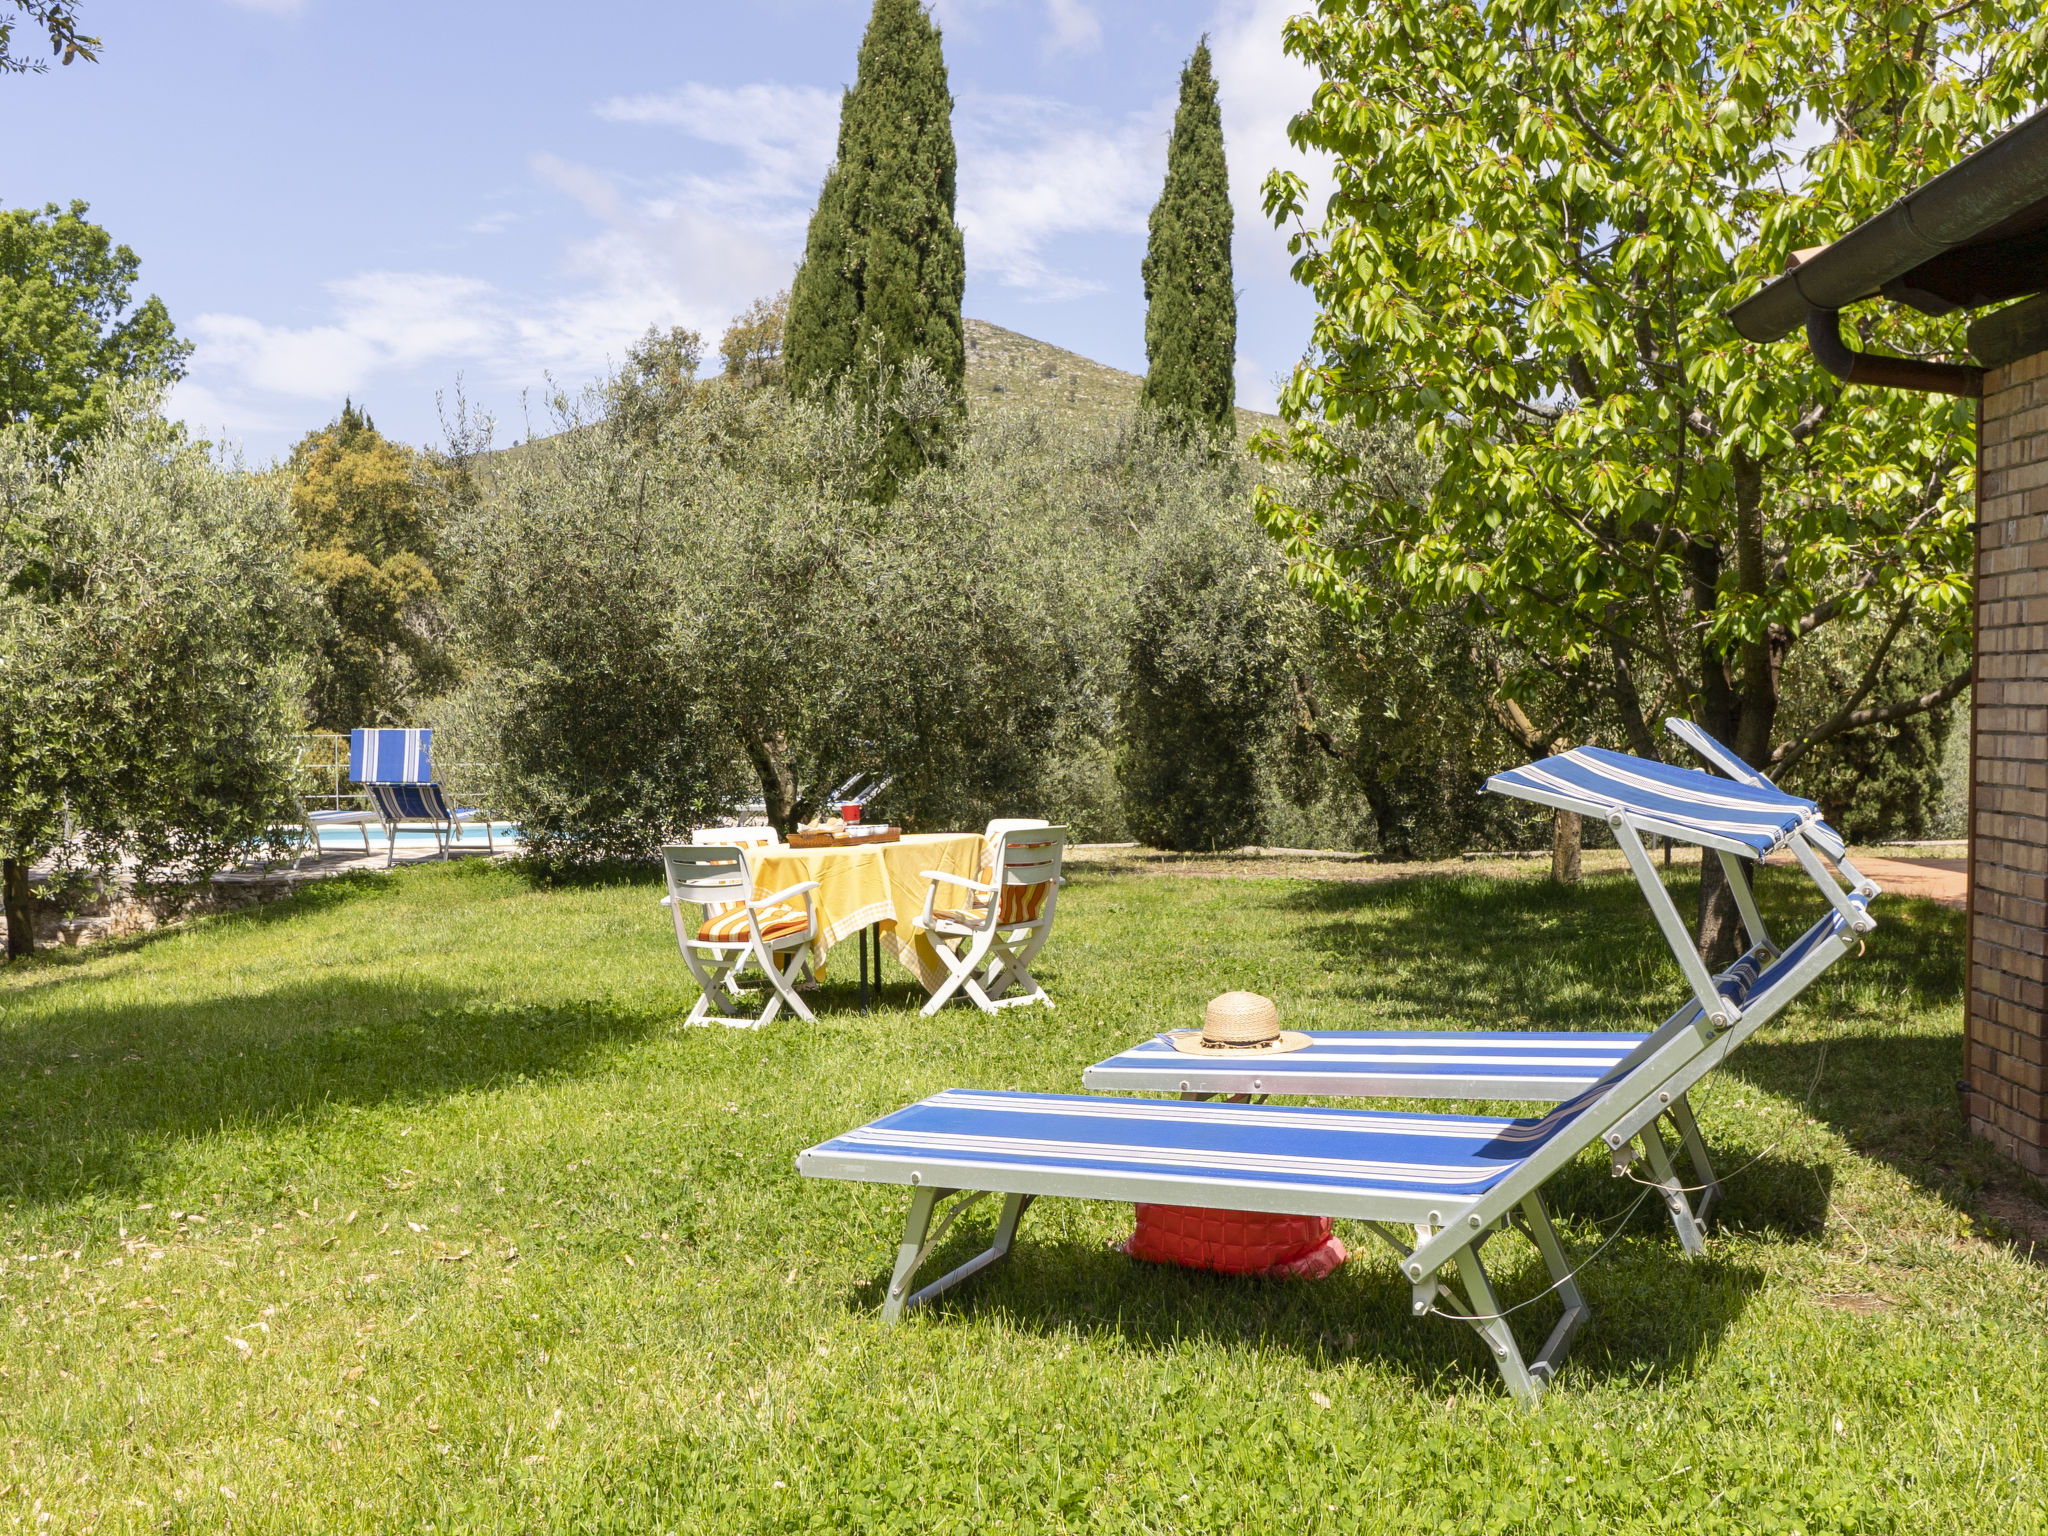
x=1237 y=1242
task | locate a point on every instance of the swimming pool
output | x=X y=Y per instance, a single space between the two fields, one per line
x=419 y=839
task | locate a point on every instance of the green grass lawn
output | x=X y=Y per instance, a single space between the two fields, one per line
x=408 y=1204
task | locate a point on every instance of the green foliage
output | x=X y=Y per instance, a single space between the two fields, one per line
x=1390 y=715
x=365 y=508
x=1541 y=215
x=1191 y=313
x=1203 y=676
x=59 y=18
x=481 y=1144
x=1884 y=780
x=665 y=627
x=752 y=344
x=884 y=267
x=659 y=375
x=149 y=636
x=68 y=337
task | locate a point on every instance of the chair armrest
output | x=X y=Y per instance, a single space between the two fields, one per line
x=802 y=888
x=936 y=875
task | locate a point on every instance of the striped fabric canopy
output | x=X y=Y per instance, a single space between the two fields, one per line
x=1679 y=801
x=1226 y=1145
x=390 y=756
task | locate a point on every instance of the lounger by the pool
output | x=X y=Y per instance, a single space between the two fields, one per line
x=395 y=769
x=1506 y=1066
x=1452 y=1180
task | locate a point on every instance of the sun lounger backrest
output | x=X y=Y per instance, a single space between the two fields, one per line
x=410 y=802
x=1742 y=820
x=391 y=756
x=1749 y=820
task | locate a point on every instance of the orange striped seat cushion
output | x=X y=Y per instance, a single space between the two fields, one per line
x=730 y=927
x=1021 y=904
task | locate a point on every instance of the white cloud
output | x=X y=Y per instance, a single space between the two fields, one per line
x=1260 y=88
x=785 y=135
x=381 y=321
x=1032 y=170
x=1074 y=28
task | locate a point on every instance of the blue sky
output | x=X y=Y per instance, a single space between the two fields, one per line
x=372 y=198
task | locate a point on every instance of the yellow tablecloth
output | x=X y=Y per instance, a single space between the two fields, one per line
x=884 y=885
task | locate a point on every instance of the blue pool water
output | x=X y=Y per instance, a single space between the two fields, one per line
x=417 y=839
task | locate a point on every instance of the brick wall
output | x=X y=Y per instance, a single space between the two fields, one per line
x=2008 y=994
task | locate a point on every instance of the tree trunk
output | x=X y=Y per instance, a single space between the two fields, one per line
x=1565 y=847
x=21 y=916
x=769 y=754
x=1739 y=697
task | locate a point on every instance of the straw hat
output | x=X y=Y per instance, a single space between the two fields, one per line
x=1239 y=1023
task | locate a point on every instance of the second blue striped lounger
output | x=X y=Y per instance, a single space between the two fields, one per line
x=1511 y=1065
x=395 y=768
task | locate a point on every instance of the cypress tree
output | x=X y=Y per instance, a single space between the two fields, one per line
x=1191 y=304
x=884 y=264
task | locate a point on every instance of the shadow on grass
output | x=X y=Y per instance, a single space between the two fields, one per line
x=1654 y=1312
x=54 y=965
x=89 y=1102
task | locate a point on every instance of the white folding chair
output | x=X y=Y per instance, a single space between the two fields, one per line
x=738 y=927
x=987 y=949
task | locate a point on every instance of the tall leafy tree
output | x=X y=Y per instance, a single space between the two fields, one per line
x=752 y=345
x=364 y=507
x=150 y=636
x=884 y=265
x=68 y=335
x=1191 y=304
x=1542 y=212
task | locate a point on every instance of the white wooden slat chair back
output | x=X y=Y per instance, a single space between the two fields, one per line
x=987 y=944
x=719 y=879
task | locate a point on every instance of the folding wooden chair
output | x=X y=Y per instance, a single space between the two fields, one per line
x=737 y=927
x=988 y=948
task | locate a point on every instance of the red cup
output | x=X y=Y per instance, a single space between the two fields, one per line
x=850 y=813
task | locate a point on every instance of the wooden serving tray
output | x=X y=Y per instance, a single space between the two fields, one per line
x=843 y=840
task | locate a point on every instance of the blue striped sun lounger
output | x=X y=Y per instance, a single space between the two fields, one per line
x=395 y=769
x=1394 y=1172
x=1452 y=1181
x=1511 y=1065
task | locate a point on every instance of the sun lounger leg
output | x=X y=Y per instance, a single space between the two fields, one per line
x=910 y=1252
x=1696 y=1153
x=1666 y=1179
x=1487 y=1321
x=998 y=1249
x=920 y=1238
x=1544 y=1366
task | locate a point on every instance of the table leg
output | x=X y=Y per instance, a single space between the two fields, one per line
x=861 y=938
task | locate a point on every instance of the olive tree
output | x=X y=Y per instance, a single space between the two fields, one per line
x=151 y=644
x=694 y=605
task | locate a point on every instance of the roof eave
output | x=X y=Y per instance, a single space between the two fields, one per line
x=2004 y=178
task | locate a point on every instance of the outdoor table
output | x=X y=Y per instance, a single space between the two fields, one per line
x=881 y=886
